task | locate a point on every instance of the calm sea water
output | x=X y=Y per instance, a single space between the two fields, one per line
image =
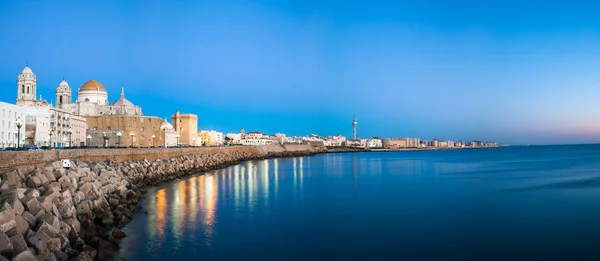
x=538 y=202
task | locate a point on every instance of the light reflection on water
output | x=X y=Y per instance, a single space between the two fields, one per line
x=352 y=205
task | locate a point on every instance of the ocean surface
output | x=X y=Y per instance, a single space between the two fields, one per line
x=535 y=202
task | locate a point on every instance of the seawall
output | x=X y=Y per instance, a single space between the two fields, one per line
x=50 y=212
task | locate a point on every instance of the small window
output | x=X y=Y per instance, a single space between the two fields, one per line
x=23 y=89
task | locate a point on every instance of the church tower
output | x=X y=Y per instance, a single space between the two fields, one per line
x=63 y=94
x=26 y=85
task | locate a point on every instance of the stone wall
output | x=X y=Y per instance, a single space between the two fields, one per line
x=27 y=160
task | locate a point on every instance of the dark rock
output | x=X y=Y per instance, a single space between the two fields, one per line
x=61 y=256
x=90 y=251
x=84 y=257
x=117 y=233
x=6 y=247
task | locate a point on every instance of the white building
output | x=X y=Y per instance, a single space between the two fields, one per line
x=374 y=143
x=236 y=138
x=37 y=129
x=9 y=113
x=60 y=127
x=169 y=133
x=256 y=138
x=217 y=138
x=334 y=141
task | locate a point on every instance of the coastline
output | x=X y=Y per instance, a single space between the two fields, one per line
x=75 y=213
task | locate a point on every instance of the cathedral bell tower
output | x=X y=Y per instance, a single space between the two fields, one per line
x=63 y=94
x=26 y=85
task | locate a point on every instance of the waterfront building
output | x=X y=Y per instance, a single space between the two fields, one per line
x=37 y=127
x=9 y=113
x=78 y=131
x=234 y=138
x=216 y=138
x=374 y=143
x=135 y=131
x=203 y=139
x=186 y=125
x=397 y=143
x=256 y=138
x=334 y=141
x=60 y=125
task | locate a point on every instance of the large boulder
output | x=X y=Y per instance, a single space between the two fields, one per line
x=31 y=204
x=30 y=218
x=42 y=243
x=22 y=224
x=25 y=256
x=7 y=220
x=19 y=244
x=6 y=247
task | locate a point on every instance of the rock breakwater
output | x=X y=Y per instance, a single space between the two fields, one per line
x=56 y=213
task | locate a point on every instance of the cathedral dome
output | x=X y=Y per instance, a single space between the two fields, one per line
x=92 y=85
x=122 y=101
x=27 y=70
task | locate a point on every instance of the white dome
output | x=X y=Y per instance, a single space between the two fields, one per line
x=27 y=70
x=64 y=83
x=122 y=101
x=166 y=126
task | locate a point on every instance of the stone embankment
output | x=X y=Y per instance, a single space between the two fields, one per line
x=49 y=212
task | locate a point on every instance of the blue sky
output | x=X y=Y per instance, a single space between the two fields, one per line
x=509 y=71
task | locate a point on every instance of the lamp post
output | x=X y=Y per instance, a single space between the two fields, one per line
x=194 y=142
x=177 y=136
x=89 y=138
x=153 y=138
x=19 y=124
x=50 y=133
x=131 y=134
x=119 y=134
x=70 y=131
x=105 y=137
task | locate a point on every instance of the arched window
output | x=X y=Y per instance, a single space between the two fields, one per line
x=60 y=99
x=23 y=89
x=87 y=99
x=27 y=89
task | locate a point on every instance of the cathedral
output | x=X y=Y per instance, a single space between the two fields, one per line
x=92 y=98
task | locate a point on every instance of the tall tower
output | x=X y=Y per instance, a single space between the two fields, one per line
x=26 y=85
x=354 y=126
x=63 y=94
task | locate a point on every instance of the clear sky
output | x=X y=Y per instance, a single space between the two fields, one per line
x=511 y=71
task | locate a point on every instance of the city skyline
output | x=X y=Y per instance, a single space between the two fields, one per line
x=302 y=68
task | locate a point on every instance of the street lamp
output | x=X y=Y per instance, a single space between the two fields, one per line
x=194 y=142
x=177 y=136
x=105 y=136
x=131 y=134
x=153 y=138
x=19 y=123
x=70 y=131
x=89 y=137
x=50 y=133
x=119 y=134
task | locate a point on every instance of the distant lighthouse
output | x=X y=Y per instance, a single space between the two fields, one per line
x=354 y=126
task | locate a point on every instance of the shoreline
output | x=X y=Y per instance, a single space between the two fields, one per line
x=75 y=214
